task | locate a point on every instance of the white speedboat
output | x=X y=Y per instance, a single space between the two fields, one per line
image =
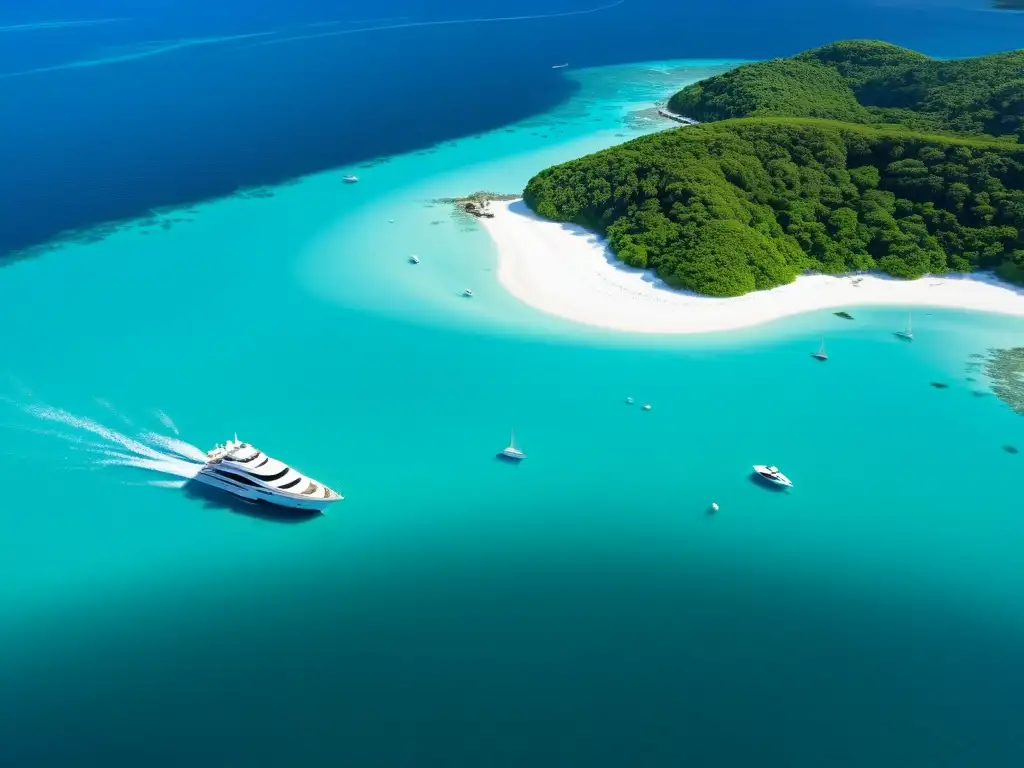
x=647 y=406
x=468 y=293
x=245 y=471
x=512 y=452
x=414 y=259
x=772 y=475
x=350 y=179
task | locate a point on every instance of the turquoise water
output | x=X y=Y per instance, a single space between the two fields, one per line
x=579 y=609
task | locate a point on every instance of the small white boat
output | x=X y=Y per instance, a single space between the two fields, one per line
x=820 y=354
x=908 y=332
x=647 y=406
x=512 y=452
x=560 y=66
x=629 y=401
x=468 y=293
x=714 y=506
x=772 y=475
x=414 y=259
x=350 y=179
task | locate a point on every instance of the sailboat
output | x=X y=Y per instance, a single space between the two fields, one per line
x=820 y=354
x=512 y=452
x=907 y=334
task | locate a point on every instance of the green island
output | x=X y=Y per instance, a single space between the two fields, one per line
x=856 y=156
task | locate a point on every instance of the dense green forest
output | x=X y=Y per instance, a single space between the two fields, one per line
x=859 y=155
x=865 y=81
x=726 y=208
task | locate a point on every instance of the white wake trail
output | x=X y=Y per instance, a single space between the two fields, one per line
x=148 y=450
x=165 y=466
x=175 y=446
x=106 y=404
x=61 y=416
x=167 y=422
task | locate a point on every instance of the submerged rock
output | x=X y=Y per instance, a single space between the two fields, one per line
x=1010 y=449
x=940 y=385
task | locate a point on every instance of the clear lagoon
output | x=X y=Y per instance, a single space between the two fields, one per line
x=582 y=608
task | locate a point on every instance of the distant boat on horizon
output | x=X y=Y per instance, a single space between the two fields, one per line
x=820 y=354
x=350 y=179
x=908 y=333
x=560 y=66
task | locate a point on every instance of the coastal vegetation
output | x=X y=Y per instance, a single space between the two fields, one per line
x=866 y=81
x=814 y=168
x=727 y=208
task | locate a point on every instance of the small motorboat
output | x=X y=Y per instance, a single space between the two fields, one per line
x=647 y=406
x=414 y=259
x=772 y=475
x=350 y=179
x=468 y=293
x=629 y=401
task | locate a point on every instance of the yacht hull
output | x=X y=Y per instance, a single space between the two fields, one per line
x=779 y=480
x=265 y=496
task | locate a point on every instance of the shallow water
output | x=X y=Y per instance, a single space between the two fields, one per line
x=580 y=608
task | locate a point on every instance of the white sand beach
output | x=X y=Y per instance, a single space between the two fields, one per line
x=566 y=271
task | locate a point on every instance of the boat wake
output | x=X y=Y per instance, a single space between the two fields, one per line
x=105 y=446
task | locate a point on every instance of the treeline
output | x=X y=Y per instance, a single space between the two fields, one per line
x=870 y=82
x=727 y=208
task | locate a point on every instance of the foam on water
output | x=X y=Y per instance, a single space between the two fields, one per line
x=147 y=450
x=106 y=404
x=167 y=421
x=175 y=446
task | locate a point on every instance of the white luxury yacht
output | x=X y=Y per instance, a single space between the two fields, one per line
x=772 y=475
x=240 y=469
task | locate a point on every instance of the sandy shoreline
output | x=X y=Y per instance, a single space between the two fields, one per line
x=566 y=271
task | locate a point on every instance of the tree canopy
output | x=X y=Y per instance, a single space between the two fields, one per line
x=867 y=81
x=726 y=208
x=859 y=155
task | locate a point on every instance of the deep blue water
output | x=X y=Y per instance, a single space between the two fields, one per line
x=169 y=102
